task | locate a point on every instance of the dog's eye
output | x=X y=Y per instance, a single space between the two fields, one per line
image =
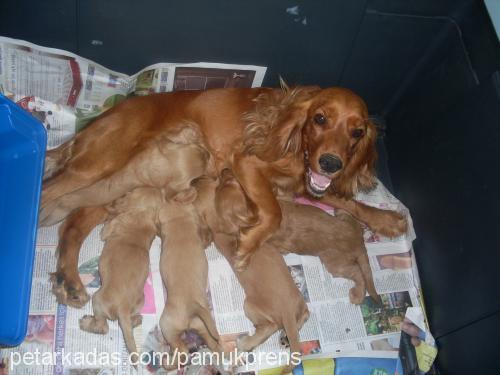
x=357 y=133
x=319 y=119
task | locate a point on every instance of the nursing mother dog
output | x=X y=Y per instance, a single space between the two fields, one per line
x=301 y=140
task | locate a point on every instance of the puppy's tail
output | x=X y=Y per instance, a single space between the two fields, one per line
x=56 y=159
x=292 y=333
x=208 y=320
x=364 y=264
x=125 y=323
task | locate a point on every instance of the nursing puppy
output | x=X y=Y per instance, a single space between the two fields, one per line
x=337 y=241
x=184 y=270
x=124 y=264
x=272 y=300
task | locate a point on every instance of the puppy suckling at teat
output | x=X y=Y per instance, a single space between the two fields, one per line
x=124 y=264
x=337 y=241
x=184 y=270
x=171 y=163
x=272 y=300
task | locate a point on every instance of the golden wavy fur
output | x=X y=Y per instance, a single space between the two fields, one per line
x=276 y=127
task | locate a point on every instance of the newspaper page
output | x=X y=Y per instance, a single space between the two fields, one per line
x=65 y=92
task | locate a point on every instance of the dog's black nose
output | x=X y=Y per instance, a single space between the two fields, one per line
x=330 y=163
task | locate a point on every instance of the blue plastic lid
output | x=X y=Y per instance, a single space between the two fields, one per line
x=22 y=152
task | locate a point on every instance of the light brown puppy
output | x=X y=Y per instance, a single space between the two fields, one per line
x=184 y=270
x=337 y=241
x=272 y=300
x=171 y=163
x=124 y=264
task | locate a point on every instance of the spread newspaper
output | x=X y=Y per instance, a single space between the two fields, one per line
x=65 y=92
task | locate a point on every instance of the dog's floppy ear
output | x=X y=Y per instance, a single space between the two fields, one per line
x=245 y=213
x=233 y=206
x=359 y=174
x=275 y=125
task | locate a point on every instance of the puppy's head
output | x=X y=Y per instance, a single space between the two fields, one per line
x=137 y=199
x=234 y=210
x=188 y=159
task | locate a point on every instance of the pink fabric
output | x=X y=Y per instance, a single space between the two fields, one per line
x=315 y=203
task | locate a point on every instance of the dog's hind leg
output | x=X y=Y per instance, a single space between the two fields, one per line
x=98 y=322
x=56 y=159
x=172 y=327
x=366 y=271
x=126 y=325
x=198 y=325
x=262 y=333
x=263 y=328
x=66 y=283
x=339 y=266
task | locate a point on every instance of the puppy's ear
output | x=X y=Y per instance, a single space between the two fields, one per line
x=185 y=133
x=186 y=196
x=245 y=213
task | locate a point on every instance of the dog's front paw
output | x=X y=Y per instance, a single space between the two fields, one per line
x=389 y=224
x=68 y=292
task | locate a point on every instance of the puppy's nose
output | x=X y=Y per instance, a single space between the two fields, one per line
x=330 y=163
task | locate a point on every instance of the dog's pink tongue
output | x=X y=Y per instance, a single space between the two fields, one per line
x=320 y=180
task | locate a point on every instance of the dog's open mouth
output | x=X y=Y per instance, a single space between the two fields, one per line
x=317 y=183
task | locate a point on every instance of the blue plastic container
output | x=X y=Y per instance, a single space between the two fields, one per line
x=22 y=152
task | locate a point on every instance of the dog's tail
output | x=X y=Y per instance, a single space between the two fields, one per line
x=208 y=320
x=292 y=333
x=364 y=264
x=125 y=322
x=56 y=159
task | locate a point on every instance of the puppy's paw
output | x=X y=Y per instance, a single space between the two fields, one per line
x=356 y=295
x=90 y=324
x=389 y=224
x=284 y=342
x=68 y=292
x=242 y=343
x=87 y=323
x=136 y=320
